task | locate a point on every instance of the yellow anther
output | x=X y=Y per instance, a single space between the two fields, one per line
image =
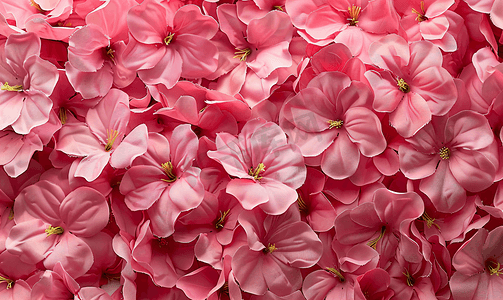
x=409 y=278
x=110 y=53
x=219 y=224
x=15 y=88
x=34 y=4
x=336 y=273
x=255 y=173
x=354 y=13
x=429 y=221
x=169 y=38
x=278 y=7
x=168 y=169
x=270 y=248
x=224 y=289
x=496 y=270
x=54 y=230
x=10 y=282
x=445 y=153
x=62 y=115
x=302 y=205
x=335 y=124
x=242 y=54
x=403 y=86
x=11 y=213
x=373 y=243
x=420 y=15
x=111 y=136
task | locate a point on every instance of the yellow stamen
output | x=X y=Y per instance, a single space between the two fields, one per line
x=445 y=153
x=242 y=54
x=429 y=221
x=336 y=273
x=373 y=243
x=110 y=53
x=403 y=86
x=496 y=270
x=34 y=4
x=219 y=224
x=11 y=213
x=420 y=15
x=15 y=88
x=354 y=13
x=54 y=230
x=410 y=279
x=62 y=115
x=224 y=289
x=169 y=38
x=111 y=136
x=168 y=169
x=302 y=205
x=336 y=124
x=278 y=7
x=256 y=172
x=10 y=282
x=270 y=248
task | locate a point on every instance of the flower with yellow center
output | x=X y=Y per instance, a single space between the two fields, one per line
x=420 y=14
x=111 y=136
x=354 y=13
x=54 y=230
x=444 y=153
x=255 y=173
x=403 y=86
x=168 y=169
x=10 y=282
x=373 y=243
x=242 y=54
x=14 y=88
x=270 y=248
x=169 y=38
x=219 y=223
x=335 y=124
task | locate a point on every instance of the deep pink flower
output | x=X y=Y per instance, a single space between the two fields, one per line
x=451 y=155
x=413 y=86
x=332 y=117
x=277 y=247
x=166 y=44
x=27 y=82
x=163 y=180
x=266 y=167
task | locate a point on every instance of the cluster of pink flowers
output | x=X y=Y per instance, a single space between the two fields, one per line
x=251 y=149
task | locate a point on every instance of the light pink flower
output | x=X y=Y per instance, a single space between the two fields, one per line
x=266 y=167
x=451 y=155
x=166 y=44
x=332 y=117
x=493 y=7
x=27 y=82
x=413 y=86
x=163 y=180
x=277 y=247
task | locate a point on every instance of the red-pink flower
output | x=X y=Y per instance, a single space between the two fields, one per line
x=166 y=44
x=266 y=167
x=413 y=85
x=26 y=81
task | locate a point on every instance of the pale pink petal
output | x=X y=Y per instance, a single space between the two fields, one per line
x=231 y=25
x=274 y=28
x=39 y=201
x=42 y=75
x=183 y=146
x=379 y=16
x=497 y=13
x=281 y=197
x=93 y=293
x=77 y=139
x=189 y=20
x=325 y=21
x=199 y=55
x=90 y=84
x=248 y=192
x=434 y=28
x=142 y=186
x=84 y=212
x=187 y=191
x=19 y=47
x=270 y=58
x=133 y=145
x=19 y=164
x=411 y=115
x=73 y=254
x=423 y=56
x=229 y=155
x=468 y=130
x=11 y=104
x=390 y=52
x=248 y=269
x=318 y=284
x=91 y=166
x=387 y=96
x=208 y=250
x=197 y=285
x=147 y=22
x=436 y=86
x=472 y=170
x=415 y=164
x=167 y=70
x=35 y=112
x=286 y=165
x=331 y=84
x=281 y=278
x=86 y=51
x=340 y=160
x=142 y=56
x=364 y=129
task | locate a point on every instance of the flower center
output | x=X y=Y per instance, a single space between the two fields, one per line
x=220 y=221
x=410 y=280
x=168 y=169
x=429 y=221
x=354 y=13
x=15 y=88
x=403 y=86
x=35 y=4
x=162 y=242
x=445 y=153
x=336 y=273
x=62 y=115
x=224 y=289
x=335 y=124
x=242 y=54
x=255 y=173
x=420 y=15
x=494 y=267
x=111 y=136
x=54 y=230
x=169 y=38
x=270 y=248
x=302 y=205
x=10 y=282
x=373 y=243
x=110 y=53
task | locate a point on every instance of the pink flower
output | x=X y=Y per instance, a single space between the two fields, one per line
x=413 y=85
x=266 y=167
x=166 y=44
x=163 y=181
x=478 y=266
x=27 y=82
x=451 y=155
x=277 y=247
x=334 y=120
